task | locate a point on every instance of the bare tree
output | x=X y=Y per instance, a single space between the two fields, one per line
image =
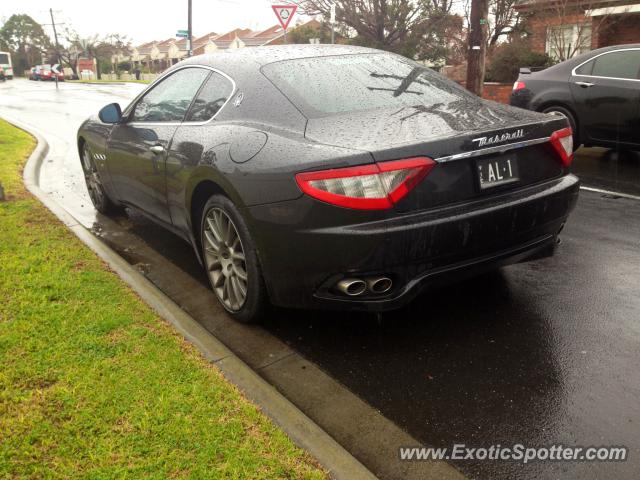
x=415 y=28
x=503 y=17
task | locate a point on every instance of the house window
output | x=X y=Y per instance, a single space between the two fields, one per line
x=566 y=41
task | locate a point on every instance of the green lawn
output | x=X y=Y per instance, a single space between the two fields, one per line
x=92 y=383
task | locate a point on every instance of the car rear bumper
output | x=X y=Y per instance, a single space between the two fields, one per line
x=302 y=262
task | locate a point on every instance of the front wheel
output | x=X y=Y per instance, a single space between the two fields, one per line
x=231 y=261
x=99 y=197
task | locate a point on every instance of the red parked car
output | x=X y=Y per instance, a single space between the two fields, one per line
x=48 y=72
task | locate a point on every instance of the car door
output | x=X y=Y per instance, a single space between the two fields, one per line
x=138 y=147
x=198 y=140
x=607 y=93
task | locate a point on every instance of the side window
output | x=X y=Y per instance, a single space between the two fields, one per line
x=169 y=100
x=623 y=64
x=585 y=69
x=211 y=98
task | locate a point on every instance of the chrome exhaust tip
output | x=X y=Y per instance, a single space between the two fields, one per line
x=379 y=284
x=352 y=286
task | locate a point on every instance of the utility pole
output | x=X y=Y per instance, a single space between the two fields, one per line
x=478 y=30
x=55 y=36
x=332 y=20
x=189 y=33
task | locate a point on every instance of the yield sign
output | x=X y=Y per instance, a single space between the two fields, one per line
x=284 y=13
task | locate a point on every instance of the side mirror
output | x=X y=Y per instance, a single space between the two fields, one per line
x=112 y=113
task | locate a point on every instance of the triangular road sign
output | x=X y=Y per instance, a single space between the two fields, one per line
x=284 y=13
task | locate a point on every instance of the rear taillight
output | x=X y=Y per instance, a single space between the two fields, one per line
x=519 y=86
x=368 y=187
x=562 y=143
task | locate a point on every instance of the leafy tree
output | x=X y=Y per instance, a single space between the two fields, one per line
x=415 y=28
x=100 y=48
x=304 y=33
x=124 y=66
x=26 y=40
x=507 y=59
x=110 y=46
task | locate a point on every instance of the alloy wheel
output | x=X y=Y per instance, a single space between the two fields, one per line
x=94 y=185
x=225 y=259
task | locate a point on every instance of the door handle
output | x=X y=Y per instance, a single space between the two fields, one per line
x=157 y=149
x=585 y=84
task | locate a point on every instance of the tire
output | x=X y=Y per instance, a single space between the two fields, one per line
x=572 y=122
x=97 y=193
x=231 y=261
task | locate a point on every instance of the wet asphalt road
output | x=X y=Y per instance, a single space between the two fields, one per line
x=539 y=353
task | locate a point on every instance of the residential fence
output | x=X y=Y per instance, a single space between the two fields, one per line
x=498 y=92
x=147 y=77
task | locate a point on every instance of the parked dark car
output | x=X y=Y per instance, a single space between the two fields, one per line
x=598 y=92
x=331 y=176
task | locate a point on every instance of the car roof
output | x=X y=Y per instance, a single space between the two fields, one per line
x=569 y=64
x=253 y=58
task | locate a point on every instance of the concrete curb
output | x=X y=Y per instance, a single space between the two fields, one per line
x=301 y=429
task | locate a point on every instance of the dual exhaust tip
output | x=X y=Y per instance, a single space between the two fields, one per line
x=354 y=287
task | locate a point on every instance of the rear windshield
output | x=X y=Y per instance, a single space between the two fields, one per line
x=323 y=86
x=4 y=59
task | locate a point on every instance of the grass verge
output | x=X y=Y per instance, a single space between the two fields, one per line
x=108 y=81
x=92 y=383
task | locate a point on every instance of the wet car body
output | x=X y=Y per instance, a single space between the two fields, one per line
x=260 y=145
x=599 y=91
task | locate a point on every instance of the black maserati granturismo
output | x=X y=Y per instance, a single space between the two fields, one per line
x=331 y=176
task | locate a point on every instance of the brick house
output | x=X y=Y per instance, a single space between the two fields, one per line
x=564 y=29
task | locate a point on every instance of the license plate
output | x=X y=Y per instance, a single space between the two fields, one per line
x=497 y=171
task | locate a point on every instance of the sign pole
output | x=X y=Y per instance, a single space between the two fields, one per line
x=189 y=33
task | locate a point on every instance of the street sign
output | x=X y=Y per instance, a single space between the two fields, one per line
x=182 y=33
x=284 y=13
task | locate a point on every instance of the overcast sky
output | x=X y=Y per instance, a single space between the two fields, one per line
x=146 y=20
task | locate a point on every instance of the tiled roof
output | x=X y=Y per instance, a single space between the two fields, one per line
x=249 y=37
x=238 y=32
x=269 y=32
x=205 y=38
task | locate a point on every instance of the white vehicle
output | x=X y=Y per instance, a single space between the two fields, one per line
x=5 y=63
